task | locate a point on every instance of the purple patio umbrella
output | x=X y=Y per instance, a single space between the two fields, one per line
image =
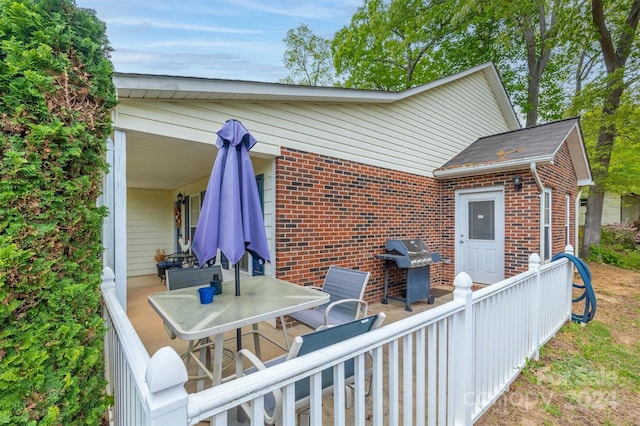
x=231 y=213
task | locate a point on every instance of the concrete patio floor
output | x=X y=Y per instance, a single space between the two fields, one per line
x=153 y=335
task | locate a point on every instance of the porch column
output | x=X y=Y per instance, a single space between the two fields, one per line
x=119 y=214
x=106 y=199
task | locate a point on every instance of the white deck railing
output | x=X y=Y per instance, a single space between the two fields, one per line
x=139 y=396
x=447 y=365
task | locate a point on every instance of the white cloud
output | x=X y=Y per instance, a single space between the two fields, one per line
x=225 y=44
x=211 y=65
x=298 y=9
x=154 y=23
x=238 y=39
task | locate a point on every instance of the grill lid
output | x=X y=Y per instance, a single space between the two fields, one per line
x=411 y=253
x=407 y=247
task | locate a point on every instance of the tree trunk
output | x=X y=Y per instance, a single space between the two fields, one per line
x=533 y=97
x=614 y=59
x=538 y=56
x=593 y=218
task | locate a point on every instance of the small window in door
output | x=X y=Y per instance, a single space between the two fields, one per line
x=481 y=220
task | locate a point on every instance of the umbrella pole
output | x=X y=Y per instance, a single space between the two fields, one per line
x=237 y=272
x=240 y=416
x=238 y=330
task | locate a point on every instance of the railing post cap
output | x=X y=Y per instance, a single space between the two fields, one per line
x=569 y=249
x=463 y=281
x=108 y=278
x=108 y=274
x=535 y=259
x=165 y=370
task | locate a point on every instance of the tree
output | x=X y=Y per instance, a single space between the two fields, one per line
x=624 y=169
x=404 y=43
x=532 y=46
x=390 y=46
x=308 y=58
x=539 y=25
x=618 y=41
x=56 y=96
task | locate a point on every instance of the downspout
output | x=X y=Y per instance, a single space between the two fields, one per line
x=577 y=221
x=536 y=177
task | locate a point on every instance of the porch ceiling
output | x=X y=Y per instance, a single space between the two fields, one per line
x=159 y=162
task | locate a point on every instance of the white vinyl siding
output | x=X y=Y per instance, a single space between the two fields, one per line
x=149 y=219
x=615 y=209
x=416 y=135
x=630 y=211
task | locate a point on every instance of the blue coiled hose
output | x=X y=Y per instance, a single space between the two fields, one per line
x=588 y=295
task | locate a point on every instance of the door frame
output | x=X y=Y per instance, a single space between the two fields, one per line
x=500 y=225
x=257 y=265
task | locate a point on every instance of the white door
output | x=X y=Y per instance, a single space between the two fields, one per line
x=480 y=235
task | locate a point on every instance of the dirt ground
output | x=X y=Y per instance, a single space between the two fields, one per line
x=527 y=402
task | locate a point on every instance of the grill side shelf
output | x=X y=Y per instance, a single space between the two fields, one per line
x=388 y=256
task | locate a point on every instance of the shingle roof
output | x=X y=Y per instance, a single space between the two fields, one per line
x=533 y=144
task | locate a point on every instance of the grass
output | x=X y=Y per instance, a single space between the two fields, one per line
x=589 y=369
x=616 y=256
x=586 y=374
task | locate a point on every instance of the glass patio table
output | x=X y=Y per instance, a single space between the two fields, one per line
x=262 y=298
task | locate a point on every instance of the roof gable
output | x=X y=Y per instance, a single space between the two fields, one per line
x=175 y=88
x=170 y=120
x=520 y=148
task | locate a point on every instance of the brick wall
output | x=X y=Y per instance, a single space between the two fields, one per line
x=522 y=217
x=560 y=177
x=521 y=209
x=336 y=212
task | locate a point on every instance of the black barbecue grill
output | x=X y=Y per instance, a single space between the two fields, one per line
x=413 y=256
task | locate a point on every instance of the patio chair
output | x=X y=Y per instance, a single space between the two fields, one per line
x=172 y=261
x=190 y=277
x=303 y=345
x=346 y=289
x=194 y=277
x=176 y=261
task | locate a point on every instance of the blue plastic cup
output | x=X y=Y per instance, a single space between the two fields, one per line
x=206 y=294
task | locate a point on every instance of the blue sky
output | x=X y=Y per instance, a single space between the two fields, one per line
x=229 y=39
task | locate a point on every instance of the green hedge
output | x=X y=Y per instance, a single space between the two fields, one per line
x=56 y=97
